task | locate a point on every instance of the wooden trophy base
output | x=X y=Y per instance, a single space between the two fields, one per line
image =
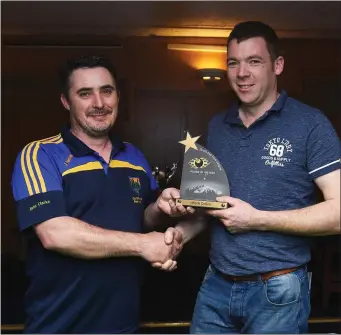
x=202 y=203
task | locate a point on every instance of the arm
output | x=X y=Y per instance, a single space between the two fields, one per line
x=41 y=208
x=155 y=218
x=323 y=166
x=189 y=229
x=317 y=220
x=74 y=237
x=182 y=233
x=164 y=211
x=160 y=210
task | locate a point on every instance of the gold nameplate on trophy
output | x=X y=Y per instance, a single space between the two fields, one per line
x=203 y=178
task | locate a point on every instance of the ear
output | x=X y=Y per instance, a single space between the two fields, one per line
x=64 y=101
x=279 y=65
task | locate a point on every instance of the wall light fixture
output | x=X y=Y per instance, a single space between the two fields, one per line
x=211 y=74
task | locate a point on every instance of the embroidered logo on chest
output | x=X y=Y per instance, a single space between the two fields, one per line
x=136 y=187
x=277 y=150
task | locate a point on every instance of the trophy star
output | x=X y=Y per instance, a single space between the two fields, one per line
x=189 y=142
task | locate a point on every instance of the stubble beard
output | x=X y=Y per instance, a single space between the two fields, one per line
x=92 y=130
x=96 y=132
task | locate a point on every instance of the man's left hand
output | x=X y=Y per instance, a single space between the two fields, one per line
x=239 y=217
x=167 y=203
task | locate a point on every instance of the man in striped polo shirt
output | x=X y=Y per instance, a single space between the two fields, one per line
x=84 y=200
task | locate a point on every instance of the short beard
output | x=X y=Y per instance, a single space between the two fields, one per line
x=95 y=133
x=91 y=132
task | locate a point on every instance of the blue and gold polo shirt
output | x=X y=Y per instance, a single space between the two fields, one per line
x=61 y=176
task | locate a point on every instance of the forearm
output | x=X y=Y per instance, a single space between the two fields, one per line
x=317 y=220
x=155 y=219
x=77 y=238
x=191 y=228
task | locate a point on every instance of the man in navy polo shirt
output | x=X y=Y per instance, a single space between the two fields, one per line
x=84 y=199
x=275 y=151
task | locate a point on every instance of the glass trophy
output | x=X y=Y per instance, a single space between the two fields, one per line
x=203 y=178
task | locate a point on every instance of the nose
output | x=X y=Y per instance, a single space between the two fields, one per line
x=242 y=70
x=97 y=101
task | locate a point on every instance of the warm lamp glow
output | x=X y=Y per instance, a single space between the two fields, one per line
x=187 y=32
x=205 y=60
x=198 y=47
x=201 y=60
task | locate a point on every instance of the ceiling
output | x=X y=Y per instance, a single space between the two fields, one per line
x=172 y=18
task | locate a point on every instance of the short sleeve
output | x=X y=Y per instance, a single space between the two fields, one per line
x=36 y=186
x=144 y=163
x=323 y=148
x=153 y=185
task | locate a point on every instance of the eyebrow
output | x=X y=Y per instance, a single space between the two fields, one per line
x=82 y=89
x=107 y=86
x=248 y=58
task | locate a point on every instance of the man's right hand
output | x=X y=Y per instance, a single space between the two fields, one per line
x=173 y=238
x=155 y=249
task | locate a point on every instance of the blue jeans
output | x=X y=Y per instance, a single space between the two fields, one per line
x=279 y=305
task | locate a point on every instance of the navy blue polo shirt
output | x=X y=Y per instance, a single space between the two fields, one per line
x=61 y=176
x=272 y=165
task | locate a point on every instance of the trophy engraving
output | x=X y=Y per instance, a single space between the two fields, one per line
x=203 y=177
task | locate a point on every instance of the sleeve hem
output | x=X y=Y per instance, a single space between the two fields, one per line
x=39 y=208
x=325 y=170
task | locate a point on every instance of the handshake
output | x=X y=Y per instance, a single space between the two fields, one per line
x=162 y=249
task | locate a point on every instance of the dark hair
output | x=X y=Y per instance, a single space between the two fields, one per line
x=84 y=62
x=249 y=29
